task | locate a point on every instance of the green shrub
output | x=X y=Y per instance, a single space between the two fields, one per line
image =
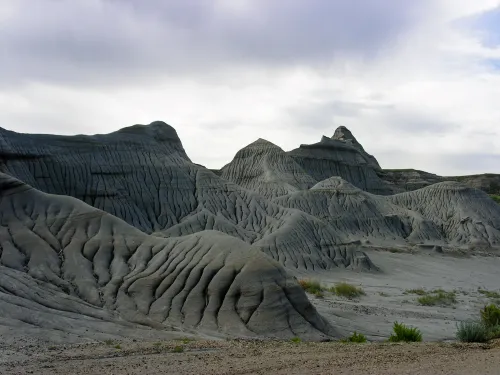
x=496 y=198
x=108 y=342
x=347 y=290
x=355 y=337
x=490 y=315
x=311 y=286
x=404 y=333
x=489 y=293
x=296 y=340
x=439 y=298
x=178 y=349
x=118 y=346
x=495 y=332
x=471 y=331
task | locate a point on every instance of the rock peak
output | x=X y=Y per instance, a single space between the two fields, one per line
x=344 y=134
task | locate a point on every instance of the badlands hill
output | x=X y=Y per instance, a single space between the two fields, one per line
x=123 y=229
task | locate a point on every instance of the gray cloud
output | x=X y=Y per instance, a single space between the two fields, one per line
x=92 y=42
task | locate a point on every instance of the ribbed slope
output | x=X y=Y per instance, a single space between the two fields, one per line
x=142 y=176
x=334 y=157
x=358 y=215
x=63 y=263
x=466 y=215
x=266 y=169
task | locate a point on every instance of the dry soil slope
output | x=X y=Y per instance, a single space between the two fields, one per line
x=266 y=169
x=361 y=216
x=142 y=175
x=466 y=216
x=339 y=156
x=67 y=266
x=443 y=214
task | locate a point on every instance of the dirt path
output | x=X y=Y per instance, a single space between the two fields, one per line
x=240 y=357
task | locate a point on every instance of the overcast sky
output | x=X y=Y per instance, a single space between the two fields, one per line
x=416 y=81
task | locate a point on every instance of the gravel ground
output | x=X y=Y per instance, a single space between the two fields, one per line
x=251 y=357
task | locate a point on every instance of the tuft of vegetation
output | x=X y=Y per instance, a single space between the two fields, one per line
x=347 y=290
x=109 y=342
x=439 y=297
x=419 y=292
x=296 y=340
x=490 y=316
x=495 y=197
x=495 y=332
x=178 y=349
x=471 y=331
x=356 y=338
x=157 y=344
x=405 y=333
x=489 y=293
x=311 y=286
x=118 y=346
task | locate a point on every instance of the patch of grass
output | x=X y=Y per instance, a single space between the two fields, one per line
x=495 y=197
x=347 y=290
x=355 y=337
x=296 y=340
x=471 y=331
x=311 y=286
x=157 y=344
x=489 y=293
x=118 y=346
x=319 y=294
x=405 y=333
x=178 y=349
x=495 y=332
x=109 y=342
x=438 y=298
x=490 y=316
x=419 y=292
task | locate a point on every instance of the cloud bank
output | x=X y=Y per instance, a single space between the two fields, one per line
x=416 y=81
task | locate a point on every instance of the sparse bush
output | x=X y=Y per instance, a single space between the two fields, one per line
x=496 y=198
x=495 y=332
x=419 y=292
x=355 y=337
x=489 y=294
x=347 y=290
x=490 y=316
x=438 y=298
x=404 y=333
x=471 y=331
x=178 y=349
x=108 y=342
x=311 y=286
x=296 y=340
x=118 y=346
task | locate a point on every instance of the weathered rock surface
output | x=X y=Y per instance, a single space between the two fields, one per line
x=341 y=156
x=267 y=169
x=65 y=264
x=401 y=180
x=123 y=230
x=357 y=215
x=142 y=175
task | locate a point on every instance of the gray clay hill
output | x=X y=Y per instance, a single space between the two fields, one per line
x=124 y=233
